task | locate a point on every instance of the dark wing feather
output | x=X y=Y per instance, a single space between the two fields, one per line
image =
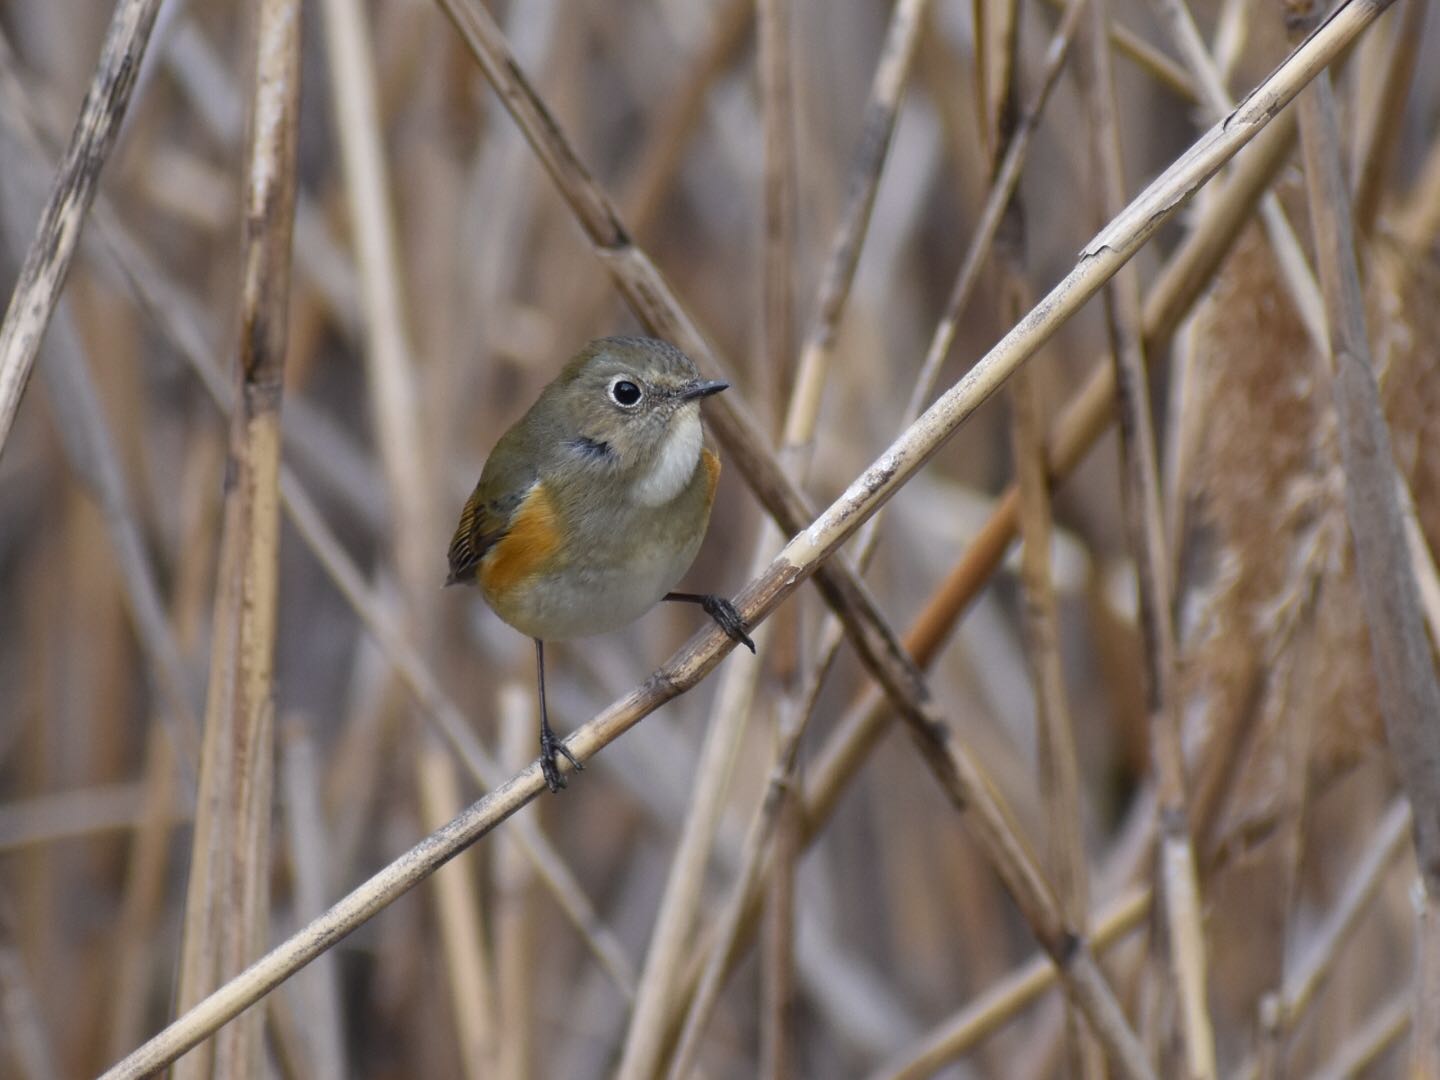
x=507 y=478
x=483 y=524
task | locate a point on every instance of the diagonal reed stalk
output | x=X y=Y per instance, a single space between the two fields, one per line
x=47 y=261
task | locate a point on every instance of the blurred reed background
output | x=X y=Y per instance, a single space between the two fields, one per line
x=439 y=279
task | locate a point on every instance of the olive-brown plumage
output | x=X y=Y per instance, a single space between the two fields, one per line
x=594 y=504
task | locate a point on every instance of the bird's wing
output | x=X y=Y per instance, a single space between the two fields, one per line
x=488 y=515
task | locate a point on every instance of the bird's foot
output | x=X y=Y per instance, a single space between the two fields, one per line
x=727 y=618
x=549 y=747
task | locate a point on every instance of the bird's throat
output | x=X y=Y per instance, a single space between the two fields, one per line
x=675 y=462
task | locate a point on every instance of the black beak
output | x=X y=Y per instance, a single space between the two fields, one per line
x=703 y=388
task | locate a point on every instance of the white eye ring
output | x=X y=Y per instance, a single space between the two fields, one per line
x=625 y=391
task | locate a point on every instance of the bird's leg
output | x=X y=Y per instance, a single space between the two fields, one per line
x=719 y=609
x=549 y=744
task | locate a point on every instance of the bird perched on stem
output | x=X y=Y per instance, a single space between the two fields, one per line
x=592 y=507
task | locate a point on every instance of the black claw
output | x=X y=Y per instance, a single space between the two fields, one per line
x=549 y=747
x=728 y=619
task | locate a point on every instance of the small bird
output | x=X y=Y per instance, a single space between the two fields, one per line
x=592 y=507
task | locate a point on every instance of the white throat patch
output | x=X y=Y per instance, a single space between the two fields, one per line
x=675 y=463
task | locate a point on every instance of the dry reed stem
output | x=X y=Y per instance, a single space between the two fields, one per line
x=1081 y=423
x=998 y=1005
x=996 y=28
x=47 y=260
x=1057 y=764
x=780 y=1000
x=1179 y=884
x=227 y=902
x=1405 y=674
x=1119 y=240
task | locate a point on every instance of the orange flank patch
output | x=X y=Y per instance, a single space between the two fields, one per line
x=711 y=464
x=528 y=544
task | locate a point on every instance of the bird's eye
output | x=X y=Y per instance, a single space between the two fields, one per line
x=624 y=393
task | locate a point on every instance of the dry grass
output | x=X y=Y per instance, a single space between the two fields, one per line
x=844 y=207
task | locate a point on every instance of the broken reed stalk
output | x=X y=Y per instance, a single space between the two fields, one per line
x=227 y=899
x=1184 y=935
x=1400 y=652
x=47 y=260
x=1116 y=243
